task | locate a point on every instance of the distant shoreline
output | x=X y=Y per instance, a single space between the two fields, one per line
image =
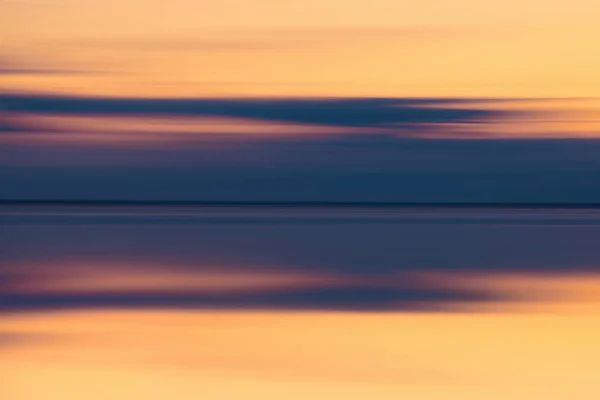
x=299 y=205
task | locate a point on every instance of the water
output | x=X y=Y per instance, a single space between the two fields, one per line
x=284 y=302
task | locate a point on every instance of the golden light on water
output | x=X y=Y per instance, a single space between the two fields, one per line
x=269 y=355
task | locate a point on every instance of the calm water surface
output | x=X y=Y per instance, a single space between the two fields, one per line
x=296 y=303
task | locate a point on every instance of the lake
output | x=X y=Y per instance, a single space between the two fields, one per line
x=229 y=302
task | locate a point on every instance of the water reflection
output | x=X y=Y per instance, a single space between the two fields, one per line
x=279 y=303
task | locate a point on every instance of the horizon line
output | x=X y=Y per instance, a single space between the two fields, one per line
x=295 y=204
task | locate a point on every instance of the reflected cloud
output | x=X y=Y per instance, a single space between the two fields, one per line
x=63 y=277
x=14 y=339
x=336 y=298
x=374 y=260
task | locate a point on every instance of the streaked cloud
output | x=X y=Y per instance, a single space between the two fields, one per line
x=366 y=112
x=25 y=66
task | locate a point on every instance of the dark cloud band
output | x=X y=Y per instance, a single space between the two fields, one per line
x=358 y=112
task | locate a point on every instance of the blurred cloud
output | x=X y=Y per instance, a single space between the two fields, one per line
x=364 y=112
x=276 y=149
x=20 y=66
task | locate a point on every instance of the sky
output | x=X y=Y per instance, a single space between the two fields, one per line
x=384 y=101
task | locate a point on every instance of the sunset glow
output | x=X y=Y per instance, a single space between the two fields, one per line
x=285 y=200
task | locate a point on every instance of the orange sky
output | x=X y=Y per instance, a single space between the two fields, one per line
x=531 y=48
